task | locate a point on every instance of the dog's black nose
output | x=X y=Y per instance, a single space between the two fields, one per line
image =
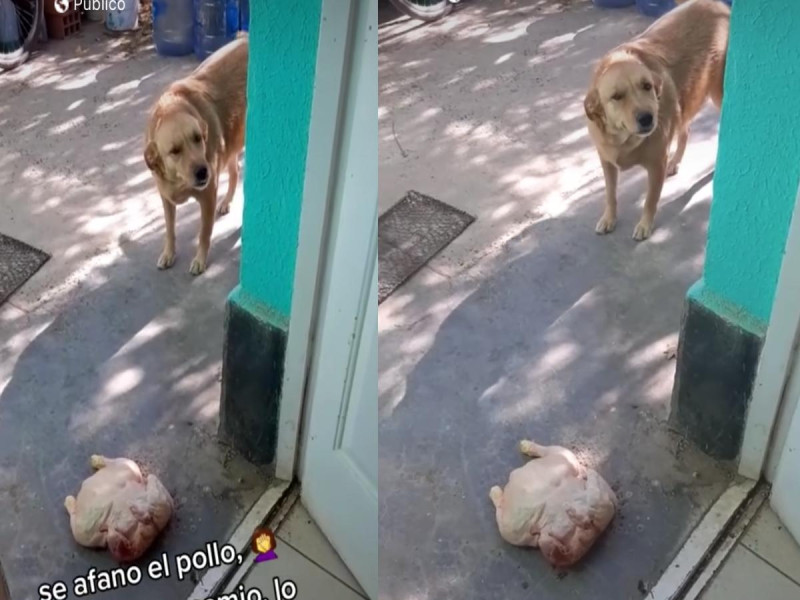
x=201 y=174
x=645 y=120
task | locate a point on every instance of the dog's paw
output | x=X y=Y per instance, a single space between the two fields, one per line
x=223 y=209
x=672 y=168
x=166 y=260
x=198 y=265
x=642 y=230
x=606 y=224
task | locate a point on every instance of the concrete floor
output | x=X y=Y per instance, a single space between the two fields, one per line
x=101 y=352
x=528 y=324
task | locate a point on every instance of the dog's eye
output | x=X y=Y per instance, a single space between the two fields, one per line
x=196 y=138
x=618 y=96
x=175 y=151
x=647 y=86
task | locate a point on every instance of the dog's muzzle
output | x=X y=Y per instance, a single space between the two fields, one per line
x=645 y=122
x=201 y=177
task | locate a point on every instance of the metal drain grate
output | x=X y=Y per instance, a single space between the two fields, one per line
x=411 y=233
x=18 y=262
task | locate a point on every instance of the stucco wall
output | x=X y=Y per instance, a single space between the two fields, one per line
x=758 y=165
x=283 y=52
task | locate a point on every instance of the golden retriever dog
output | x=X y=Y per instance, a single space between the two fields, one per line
x=646 y=92
x=196 y=129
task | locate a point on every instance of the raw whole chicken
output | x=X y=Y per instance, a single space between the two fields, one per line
x=553 y=503
x=119 y=507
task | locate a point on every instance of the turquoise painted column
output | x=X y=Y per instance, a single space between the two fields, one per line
x=283 y=53
x=755 y=184
x=280 y=87
x=758 y=163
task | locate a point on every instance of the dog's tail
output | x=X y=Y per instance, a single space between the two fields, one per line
x=242 y=34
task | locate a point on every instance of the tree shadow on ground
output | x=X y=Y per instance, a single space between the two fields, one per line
x=567 y=344
x=106 y=354
x=528 y=325
x=129 y=368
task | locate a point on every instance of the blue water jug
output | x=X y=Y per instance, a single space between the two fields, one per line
x=123 y=17
x=173 y=27
x=244 y=15
x=613 y=3
x=216 y=23
x=655 y=8
x=9 y=27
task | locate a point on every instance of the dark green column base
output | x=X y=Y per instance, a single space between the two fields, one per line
x=716 y=368
x=252 y=376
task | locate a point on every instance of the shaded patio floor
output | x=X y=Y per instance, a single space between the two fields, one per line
x=100 y=352
x=529 y=325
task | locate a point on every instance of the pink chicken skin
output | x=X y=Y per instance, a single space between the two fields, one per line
x=553 y=503
x=119 y=507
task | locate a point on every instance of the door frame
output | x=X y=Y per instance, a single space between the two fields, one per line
x=771 y=408
x=322 y=159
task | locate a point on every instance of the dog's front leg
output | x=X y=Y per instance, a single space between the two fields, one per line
x=675 y=160
x=208 y=203
x=233 y=178
x=167 y=258
x=655 y=181
x=608 y=221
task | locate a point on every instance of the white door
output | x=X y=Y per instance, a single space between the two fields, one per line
x=771 y=444
x=786 y=485
x=340 y=451
x=776 y=400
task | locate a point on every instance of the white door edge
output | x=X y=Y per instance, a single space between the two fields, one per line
x=339 y=448
x=321 y=160
x=786 y=486
x=774 y=368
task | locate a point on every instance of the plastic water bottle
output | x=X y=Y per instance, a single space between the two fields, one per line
x=124 y=17
x=216 y=23
x=173 y=27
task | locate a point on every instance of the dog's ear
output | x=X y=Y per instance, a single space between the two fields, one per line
x=152 y=158
x=593 y=107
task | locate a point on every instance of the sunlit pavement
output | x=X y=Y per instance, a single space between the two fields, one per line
x=529 y=325
x=100 y=352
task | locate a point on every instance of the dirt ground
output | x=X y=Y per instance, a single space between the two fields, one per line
x=529 y=325
x=100 y=352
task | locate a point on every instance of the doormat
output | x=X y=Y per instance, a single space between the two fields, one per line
x=18 y=263
x=411 y=233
